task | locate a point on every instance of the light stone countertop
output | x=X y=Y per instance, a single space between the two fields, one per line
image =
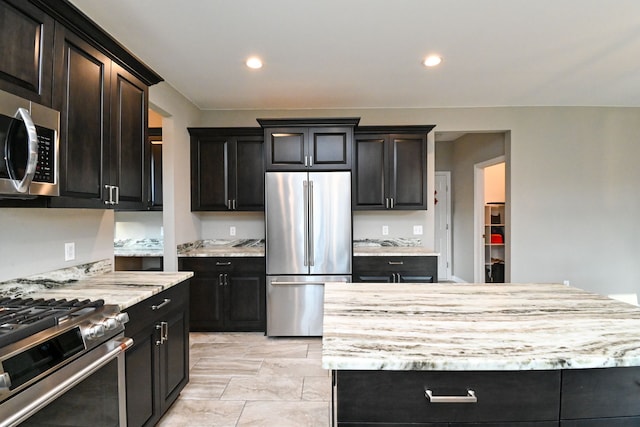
x=393 y=251
x=139 y=247
x=476 y=327
x=223 y=248
x=391 y=247
x=92 y=281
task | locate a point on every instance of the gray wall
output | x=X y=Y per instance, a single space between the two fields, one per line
x=460 y=156
x=574 y=197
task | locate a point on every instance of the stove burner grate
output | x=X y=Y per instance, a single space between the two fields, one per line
x=20 y=318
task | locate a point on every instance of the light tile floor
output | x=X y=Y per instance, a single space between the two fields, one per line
x=247 y=379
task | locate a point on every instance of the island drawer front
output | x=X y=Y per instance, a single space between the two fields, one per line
x=599 y=393
x=399 y=396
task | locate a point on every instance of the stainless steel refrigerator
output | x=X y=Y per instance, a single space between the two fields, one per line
x=308 y=243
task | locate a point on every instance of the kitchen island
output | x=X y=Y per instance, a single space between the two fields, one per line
x=493 y=355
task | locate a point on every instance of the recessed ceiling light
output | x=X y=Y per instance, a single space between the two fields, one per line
x=432 y=61
x=254 y=63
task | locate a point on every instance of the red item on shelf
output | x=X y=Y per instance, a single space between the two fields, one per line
x=496 y=238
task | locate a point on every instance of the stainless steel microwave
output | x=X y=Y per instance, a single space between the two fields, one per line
x=28 y=147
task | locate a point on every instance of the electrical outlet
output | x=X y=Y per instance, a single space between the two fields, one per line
x=417 y=230
x=232 y=230
x=566 y=282
x=69 y=251
x=385 y=230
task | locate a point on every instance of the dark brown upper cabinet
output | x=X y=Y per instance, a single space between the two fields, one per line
x=155 y=177
x=390 y=168
x=103 y=128
x=26 y=49
x=227 y=169
x=308 y=144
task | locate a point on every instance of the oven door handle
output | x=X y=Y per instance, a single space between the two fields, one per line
x=32 y=399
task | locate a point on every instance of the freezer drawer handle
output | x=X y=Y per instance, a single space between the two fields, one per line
x=289 y=283
x=469 y=398
x=396 y=262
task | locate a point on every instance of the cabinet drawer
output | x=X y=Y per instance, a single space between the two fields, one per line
x=596 y=393
x=217 y=265
x=406 y=264
x=144 y=313
x=399 y=396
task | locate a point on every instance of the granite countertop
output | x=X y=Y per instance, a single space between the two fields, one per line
x=139 y=247
x=476 y=327
x=223 y=248
x=391 y=247
x=94 y=281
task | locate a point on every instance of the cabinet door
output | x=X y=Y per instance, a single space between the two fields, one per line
x=155 y=179
x=26 y=49
x=329 y=148
x=205 y=302
x=141 y=379
x=369 y=178
x=128 y=154
x=174 y=357
x=245 y=302
x=82 y=97
x=285 y=148
x=249 y=174
x=408 y=171
x=211 y=159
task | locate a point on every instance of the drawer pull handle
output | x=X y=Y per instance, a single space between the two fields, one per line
x=469 y=398
x=218 y=263
x=162 y=304
x=396 y=262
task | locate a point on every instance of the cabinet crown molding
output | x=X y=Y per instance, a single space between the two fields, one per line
x=74 y=19
x=319 y=121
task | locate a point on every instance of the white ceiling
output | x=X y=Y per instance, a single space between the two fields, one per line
x=368 y=53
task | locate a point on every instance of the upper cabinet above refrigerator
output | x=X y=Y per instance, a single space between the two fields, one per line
x=308 y=144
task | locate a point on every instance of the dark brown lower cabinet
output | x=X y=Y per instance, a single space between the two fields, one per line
x=227 y=293
x=400 y=269
x=607 y=397
x=157 y=366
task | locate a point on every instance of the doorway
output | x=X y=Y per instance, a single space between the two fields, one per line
x=491 y=224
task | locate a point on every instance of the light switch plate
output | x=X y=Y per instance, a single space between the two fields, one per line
x=385 y=230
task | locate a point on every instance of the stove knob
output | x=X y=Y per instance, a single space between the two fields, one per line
x=110 y=323
x=122 y=317
x=5 y=381
x=95 y=331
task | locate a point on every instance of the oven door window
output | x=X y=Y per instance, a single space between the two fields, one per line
x=91 y=403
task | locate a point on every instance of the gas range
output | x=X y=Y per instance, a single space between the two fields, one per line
x=39 y=337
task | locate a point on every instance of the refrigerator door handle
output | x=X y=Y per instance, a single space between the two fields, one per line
x=305 y=195
x=312 y=255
